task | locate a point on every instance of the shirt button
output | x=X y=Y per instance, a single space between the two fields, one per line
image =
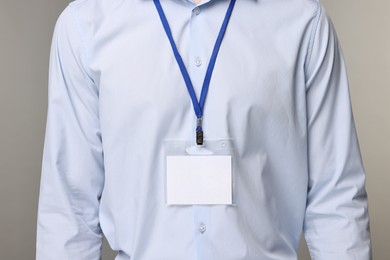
x=202 y=228
x=196 y=10
x=198 y=61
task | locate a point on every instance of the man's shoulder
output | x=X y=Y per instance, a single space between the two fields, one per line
x=304 y=5
x=81 y=4
x=296 y=2
x=94 y=9
x=86 y=14
x=290 y=10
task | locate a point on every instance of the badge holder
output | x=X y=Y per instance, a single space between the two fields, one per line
x=202 y=174
x=199 y=175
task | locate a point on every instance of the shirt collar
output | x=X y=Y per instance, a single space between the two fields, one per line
x=201 y=3
x=193 y=3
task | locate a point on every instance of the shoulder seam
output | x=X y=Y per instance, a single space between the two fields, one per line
x=86 y=55
x=76 y=2
x=312 y=35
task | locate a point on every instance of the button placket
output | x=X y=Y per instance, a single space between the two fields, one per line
x=196 y=68
x=197 y=59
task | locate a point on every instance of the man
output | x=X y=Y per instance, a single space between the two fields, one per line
x=134 y=150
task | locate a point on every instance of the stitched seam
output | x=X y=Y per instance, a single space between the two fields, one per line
x=312 y=35
x=86 y=55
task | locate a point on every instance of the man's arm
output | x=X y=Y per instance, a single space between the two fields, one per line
x=72 y=168
x=336 y=222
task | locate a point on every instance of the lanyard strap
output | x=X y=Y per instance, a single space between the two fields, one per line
x=198 y=106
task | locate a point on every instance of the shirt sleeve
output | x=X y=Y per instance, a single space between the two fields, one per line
x=72 y=168
x=336 y=222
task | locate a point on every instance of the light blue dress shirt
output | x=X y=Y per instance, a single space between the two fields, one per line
x=279 y=92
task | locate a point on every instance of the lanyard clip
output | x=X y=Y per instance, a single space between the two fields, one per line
x=199 y=137
x=199 y=131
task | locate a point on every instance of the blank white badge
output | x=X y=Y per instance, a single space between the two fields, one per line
x=194 y=180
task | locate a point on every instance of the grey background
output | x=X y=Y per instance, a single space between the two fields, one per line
x=25 y=34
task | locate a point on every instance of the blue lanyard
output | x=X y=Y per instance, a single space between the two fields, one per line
x=198 y=106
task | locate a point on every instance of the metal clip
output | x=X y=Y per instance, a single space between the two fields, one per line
x=199 y=131
x=199 y=121
x=199 y=137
